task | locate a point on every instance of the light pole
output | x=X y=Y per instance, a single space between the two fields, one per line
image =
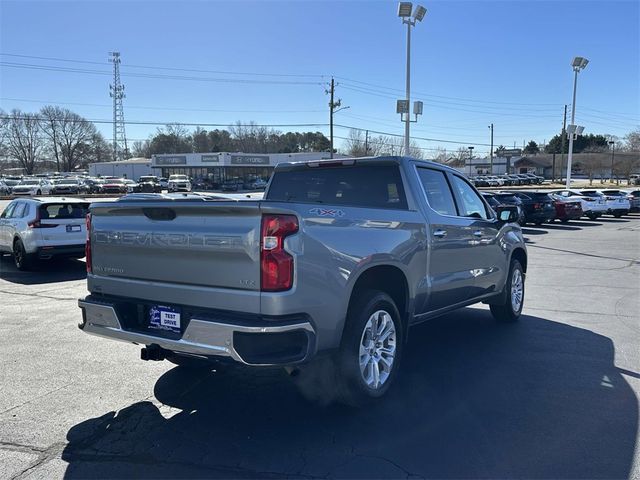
x=578 y=64
x=491 y=152
x=404 y=12
x=613 y=153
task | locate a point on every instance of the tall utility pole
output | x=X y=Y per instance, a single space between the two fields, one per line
x=366 y=142
x=564 y=134
x=116 y=91
x=491 y=152
x=333 y=108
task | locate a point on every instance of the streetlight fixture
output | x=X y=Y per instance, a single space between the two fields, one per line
x=578 y=64
x=405 y=10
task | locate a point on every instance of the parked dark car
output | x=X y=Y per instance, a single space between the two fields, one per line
x=94 y=185
x=480 y=182
x=538 y=207
x=535 y=179
x=524 y=179
x=148 y=184
x=566 y=208
x=515 y=179
x=634 y=199
x=69 y=186
x=232 y=185
x=496 y=199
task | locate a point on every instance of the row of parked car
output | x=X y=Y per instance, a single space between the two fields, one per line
x=538 y=207
x=507 y=180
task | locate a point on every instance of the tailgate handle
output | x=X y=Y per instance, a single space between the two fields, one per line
x=159 y=213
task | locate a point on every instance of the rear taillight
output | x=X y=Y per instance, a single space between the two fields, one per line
x=87 y=247
x=35 y=223
x=276 y=264
x=537 y=206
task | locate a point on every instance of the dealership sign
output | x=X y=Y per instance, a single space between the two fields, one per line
x=210 y=158
x=249 y=159
x=172 y=160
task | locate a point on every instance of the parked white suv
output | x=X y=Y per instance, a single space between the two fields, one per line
x=33 y=186
x=179 y=183
x=37 y=229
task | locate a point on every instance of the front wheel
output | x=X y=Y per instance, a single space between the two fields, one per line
x=617 y=215
x=592 y=216
x=39 y=192
x=510 y=310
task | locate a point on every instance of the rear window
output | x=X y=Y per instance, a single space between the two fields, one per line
x=64 y=210
x=357 y=186
x=506 y=198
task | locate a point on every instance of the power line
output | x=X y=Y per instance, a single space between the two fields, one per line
x=154 y=76
x=141 y=107
x=195 y=70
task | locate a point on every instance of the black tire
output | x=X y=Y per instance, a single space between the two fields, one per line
x=617 y=215
x=538 y=224
x=565 y=220
x=592 y=216
x=353 y=388
x=506 y=312
x=22 y=260
x=39 y=192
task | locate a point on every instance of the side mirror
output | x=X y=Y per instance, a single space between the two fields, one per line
x=507 y=213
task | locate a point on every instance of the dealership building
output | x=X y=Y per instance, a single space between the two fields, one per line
x=222 y=166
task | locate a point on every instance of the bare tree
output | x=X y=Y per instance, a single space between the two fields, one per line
x=251 y=137
x=441 y=155
x=590 y=165
x=141 y=148
x=632 y=141
x=625 y=166
x=355 y=144
x=51 y=118
x=70 y=136
x=24 y=139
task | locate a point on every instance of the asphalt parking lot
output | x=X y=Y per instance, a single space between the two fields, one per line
x=553 y=396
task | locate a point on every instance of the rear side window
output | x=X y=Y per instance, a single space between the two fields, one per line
x=356 y=186
x=439 y=194
x=18 y=212
x=64 y=210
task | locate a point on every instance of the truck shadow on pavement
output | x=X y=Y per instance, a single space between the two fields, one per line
x=50 y=271
x=535 y=399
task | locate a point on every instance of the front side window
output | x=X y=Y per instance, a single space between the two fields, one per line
x=439 y=194
x=471 y=203
x=9 y=210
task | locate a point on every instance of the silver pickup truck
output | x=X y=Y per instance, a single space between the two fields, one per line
x=324 y=276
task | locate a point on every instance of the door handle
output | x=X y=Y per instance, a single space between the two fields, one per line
x=477 y=233
x=440 y=233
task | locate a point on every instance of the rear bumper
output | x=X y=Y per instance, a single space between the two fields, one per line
x=252 y=341
x=76 y=251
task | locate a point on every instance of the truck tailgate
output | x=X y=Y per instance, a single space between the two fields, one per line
x=196 y=246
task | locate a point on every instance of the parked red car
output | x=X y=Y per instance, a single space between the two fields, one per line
x=566 y=208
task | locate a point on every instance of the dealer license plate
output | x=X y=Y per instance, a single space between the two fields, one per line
x=165 y=318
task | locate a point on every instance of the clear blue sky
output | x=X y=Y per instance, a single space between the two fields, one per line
x=473 y=63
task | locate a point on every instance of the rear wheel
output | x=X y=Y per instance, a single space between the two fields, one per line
x=371 y=348
x=592 y=216
x=39 y=192
x=510 y=310
x=21 y=258
x=617 y=214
